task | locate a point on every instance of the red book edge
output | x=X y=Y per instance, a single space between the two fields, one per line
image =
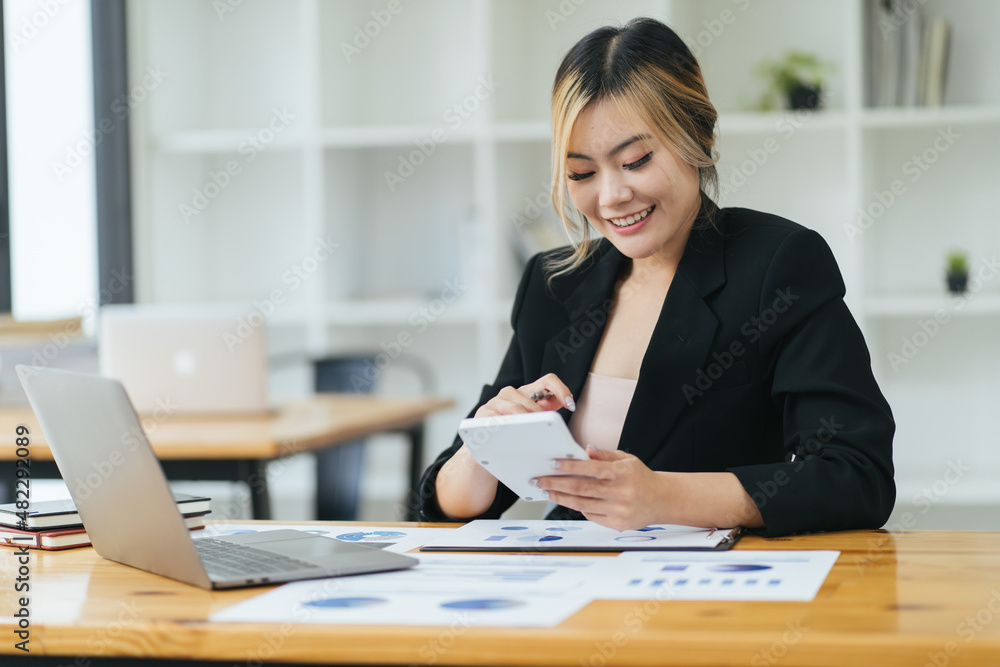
x=36 y=536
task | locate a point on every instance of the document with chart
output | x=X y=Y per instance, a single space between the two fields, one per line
x=729 y=575
x=542 y=535
x=480 y=590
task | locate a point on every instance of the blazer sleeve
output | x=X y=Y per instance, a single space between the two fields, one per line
x=837 y=426
x=511 y=374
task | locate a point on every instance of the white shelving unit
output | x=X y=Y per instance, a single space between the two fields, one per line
x=444 y=230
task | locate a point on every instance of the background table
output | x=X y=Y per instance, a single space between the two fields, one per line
x=238 y=448
x=891 y=599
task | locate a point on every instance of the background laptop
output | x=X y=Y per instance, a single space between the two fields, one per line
x=207 y=359
x=126 y=506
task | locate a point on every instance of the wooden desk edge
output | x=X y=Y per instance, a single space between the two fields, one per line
x=421 y=408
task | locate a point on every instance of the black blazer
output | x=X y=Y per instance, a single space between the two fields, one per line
x=755 y=367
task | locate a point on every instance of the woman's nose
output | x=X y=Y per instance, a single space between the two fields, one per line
x=614 y=191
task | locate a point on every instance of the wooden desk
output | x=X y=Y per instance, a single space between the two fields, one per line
x=239 y=448
x=892 y=599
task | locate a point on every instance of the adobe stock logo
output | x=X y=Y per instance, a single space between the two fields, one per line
x=752 y=330
x=363 y=35
x=250 y=147
x=455 y=116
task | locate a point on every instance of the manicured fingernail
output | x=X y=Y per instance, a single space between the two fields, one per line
x=556 y=464
x=534 y=482
x=544 y=494
x=570 y=404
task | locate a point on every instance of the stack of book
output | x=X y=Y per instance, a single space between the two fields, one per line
x=908 y=55
x=55 y=524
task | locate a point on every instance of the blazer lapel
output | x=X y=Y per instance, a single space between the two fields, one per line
x=680 y=344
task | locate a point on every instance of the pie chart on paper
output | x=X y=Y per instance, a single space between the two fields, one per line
x=371 y=536
x=482 y=605
x=340 y=603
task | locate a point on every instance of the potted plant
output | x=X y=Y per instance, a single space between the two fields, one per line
x=798 y=77
x=957 y=272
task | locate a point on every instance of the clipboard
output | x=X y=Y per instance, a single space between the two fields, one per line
x=536 y=536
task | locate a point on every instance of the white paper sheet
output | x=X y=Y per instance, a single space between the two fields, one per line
x=397 y=540
x=445 y=589
x=541 y=535
x=495 y=573
x=717 y=575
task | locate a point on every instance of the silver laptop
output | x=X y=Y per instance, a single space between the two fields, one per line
x=126 y=506
x=187 y=359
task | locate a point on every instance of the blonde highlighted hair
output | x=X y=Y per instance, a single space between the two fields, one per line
x=651 y=76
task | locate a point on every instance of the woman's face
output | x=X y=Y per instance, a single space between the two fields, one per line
x=633 y=189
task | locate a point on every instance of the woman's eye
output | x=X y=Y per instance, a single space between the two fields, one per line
x=573 y=176
x=641 y=161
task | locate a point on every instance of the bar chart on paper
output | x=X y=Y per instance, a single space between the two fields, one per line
x=731 y=575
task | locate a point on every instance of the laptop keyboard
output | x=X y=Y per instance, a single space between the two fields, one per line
x=226 y=560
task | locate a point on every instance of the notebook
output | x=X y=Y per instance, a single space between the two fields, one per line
x=50 y=514
x=67 y=538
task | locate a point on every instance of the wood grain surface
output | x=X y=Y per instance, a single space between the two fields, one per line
x=901 y=598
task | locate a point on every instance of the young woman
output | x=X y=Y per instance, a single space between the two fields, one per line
x=704 y=356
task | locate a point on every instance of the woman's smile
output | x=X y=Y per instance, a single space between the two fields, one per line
x=631 y=223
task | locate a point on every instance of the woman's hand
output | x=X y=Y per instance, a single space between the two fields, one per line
x=511 y=401
x=614 y=489
x=619 y=491
x=463 y=487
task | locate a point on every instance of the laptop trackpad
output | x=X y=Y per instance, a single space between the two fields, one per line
x=297 y=543
x=345 y=557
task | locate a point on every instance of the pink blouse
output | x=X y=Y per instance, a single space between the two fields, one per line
x=600 y=411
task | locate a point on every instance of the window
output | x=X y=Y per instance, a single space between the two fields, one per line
x=50 y=157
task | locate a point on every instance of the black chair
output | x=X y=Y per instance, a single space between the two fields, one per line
x=338 y=469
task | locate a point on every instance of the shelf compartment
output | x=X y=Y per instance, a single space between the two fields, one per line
x=729 y=52
x=755 y=170
x=919 y=200
x=406 y=238
x=219 y=240
x=217 y=74
x=970 y=79
x=379 y=68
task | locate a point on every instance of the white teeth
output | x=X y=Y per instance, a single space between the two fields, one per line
x=631 y=220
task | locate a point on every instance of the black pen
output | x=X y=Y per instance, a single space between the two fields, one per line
x=545 y=393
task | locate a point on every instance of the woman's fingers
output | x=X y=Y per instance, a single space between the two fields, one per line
x=546 y=393
x=517 y=400
x=551 y=393
x=508 y=401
